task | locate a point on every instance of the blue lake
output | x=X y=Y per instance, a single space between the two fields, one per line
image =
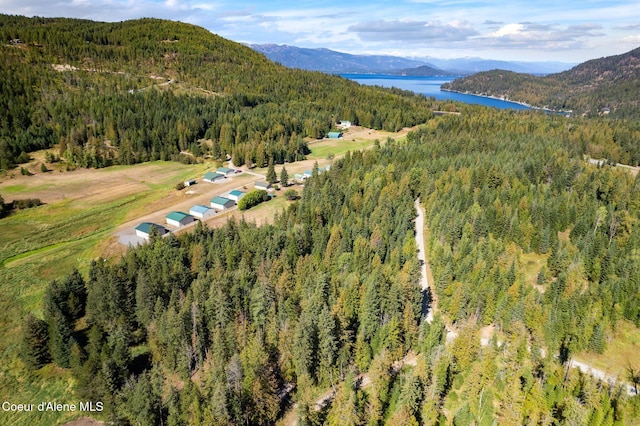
x=429 y=86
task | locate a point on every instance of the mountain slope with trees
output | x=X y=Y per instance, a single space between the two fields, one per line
x=605 y=85
x=126 y=92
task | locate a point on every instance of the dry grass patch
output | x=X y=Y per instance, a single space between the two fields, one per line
x=532 y=263
x=623 y=350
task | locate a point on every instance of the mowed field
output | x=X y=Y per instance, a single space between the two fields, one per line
x=84 y=211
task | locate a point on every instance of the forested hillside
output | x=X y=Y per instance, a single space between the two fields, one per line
x=121 y=93
x=594 y=87
x=214 y=326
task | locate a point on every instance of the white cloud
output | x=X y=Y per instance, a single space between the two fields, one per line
x=412 y=31
x=508 y=30
x=632 y=39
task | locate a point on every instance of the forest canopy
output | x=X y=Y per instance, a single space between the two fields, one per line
x=148 y=89
x=216 y=326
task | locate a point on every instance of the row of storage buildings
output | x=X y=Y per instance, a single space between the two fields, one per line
x=220 y=174
x=198 y=212
x=178 y=219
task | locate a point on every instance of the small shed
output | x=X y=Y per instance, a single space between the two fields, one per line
x=189 y=182
x=225 y=171
x=144 y=229
x=307 y=174
x=262 y=185
x=334 y=135
x=222 y=203
x=299 y=177
x=236 y=195
x=344 y=124
x=213 y=177
x=202 y=212
x=179 y=219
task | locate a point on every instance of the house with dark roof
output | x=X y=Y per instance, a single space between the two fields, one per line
x=262 y=185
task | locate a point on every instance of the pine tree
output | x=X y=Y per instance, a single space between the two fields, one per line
x=271 y=173
x=327 y=343
x=35 y=339
x=284 y=177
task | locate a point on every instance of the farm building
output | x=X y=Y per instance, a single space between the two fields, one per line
x=222 y=203
x=334 y=135
x=262 y=185
x=299 y=177
x=213 y=177
x=344 y=124
x=202 y=212
x=307 y=174
x=144 y=229
x=179 y=219
x=189 y=182
x=236 y=195
x=225 y=171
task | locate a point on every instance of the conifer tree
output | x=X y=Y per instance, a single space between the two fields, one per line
x=35 y=338
x=271 y=173
x=284 y=177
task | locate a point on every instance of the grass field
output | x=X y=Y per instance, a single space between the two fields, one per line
x=355 y=139
x=322 y=149
x=622 y=351
x=532 y=263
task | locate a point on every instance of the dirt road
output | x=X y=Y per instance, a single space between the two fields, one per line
x=428 y=308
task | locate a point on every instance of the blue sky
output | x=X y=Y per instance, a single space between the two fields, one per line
x=568 y=31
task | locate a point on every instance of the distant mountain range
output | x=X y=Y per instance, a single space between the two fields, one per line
x=474 y=65
x=333 y=62
x=607 y=85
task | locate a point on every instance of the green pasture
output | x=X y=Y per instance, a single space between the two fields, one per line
x=44 y=243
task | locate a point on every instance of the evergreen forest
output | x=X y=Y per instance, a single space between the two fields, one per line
x=235 y=325
x=318 y=317
x=149 y=89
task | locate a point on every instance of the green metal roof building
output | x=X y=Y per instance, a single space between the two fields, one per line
x=222 y=203
x=144 y=229
x=179 y=219
x=213 y=176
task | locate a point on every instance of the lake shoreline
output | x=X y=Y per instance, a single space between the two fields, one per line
x=524 y=104
x=430 y=86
